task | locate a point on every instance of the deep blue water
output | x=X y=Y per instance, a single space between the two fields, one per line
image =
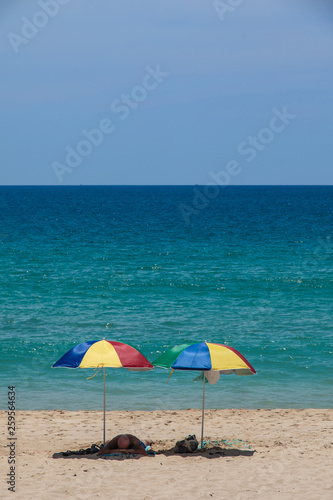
x=159 y=266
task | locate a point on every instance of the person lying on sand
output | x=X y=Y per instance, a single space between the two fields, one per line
x=125 y=443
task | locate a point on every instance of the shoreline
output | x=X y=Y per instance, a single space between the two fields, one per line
x=288 y=454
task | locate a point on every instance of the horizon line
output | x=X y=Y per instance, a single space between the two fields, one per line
x=165 y=185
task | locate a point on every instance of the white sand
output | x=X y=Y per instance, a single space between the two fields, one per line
x=292 y=456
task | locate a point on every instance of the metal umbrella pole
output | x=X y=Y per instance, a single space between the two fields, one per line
x=104 y=407
x=203 y=408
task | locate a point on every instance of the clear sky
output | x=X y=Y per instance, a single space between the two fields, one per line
x=166 y=92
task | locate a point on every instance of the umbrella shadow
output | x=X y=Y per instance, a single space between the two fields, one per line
x=94 y=456
x=91 y=456
x=215 y=452
x=86 y=454
x=166 y=448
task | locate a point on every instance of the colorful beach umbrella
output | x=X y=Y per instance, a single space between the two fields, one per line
x=209 y=358
x=102 y=354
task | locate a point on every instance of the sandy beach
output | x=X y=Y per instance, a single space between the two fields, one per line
x=281 y=453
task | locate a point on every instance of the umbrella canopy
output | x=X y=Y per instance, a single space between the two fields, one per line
x=101 y=354
x=209 y=358
x=205 y=356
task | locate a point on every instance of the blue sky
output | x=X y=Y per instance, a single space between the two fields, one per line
x=152 y=92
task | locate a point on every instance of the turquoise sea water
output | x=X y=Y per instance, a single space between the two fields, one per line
x=251 y=268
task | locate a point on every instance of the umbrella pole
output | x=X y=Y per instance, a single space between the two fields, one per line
x=203 y=408
x=104 y=407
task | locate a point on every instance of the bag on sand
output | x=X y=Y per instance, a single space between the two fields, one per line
x=187 y=445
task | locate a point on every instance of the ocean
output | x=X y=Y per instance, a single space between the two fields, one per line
x=157 y=266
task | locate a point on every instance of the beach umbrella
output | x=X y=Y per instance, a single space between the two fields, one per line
x=209 y=358
x=102 y=354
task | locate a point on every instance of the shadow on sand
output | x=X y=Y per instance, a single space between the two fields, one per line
x=213 y=452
